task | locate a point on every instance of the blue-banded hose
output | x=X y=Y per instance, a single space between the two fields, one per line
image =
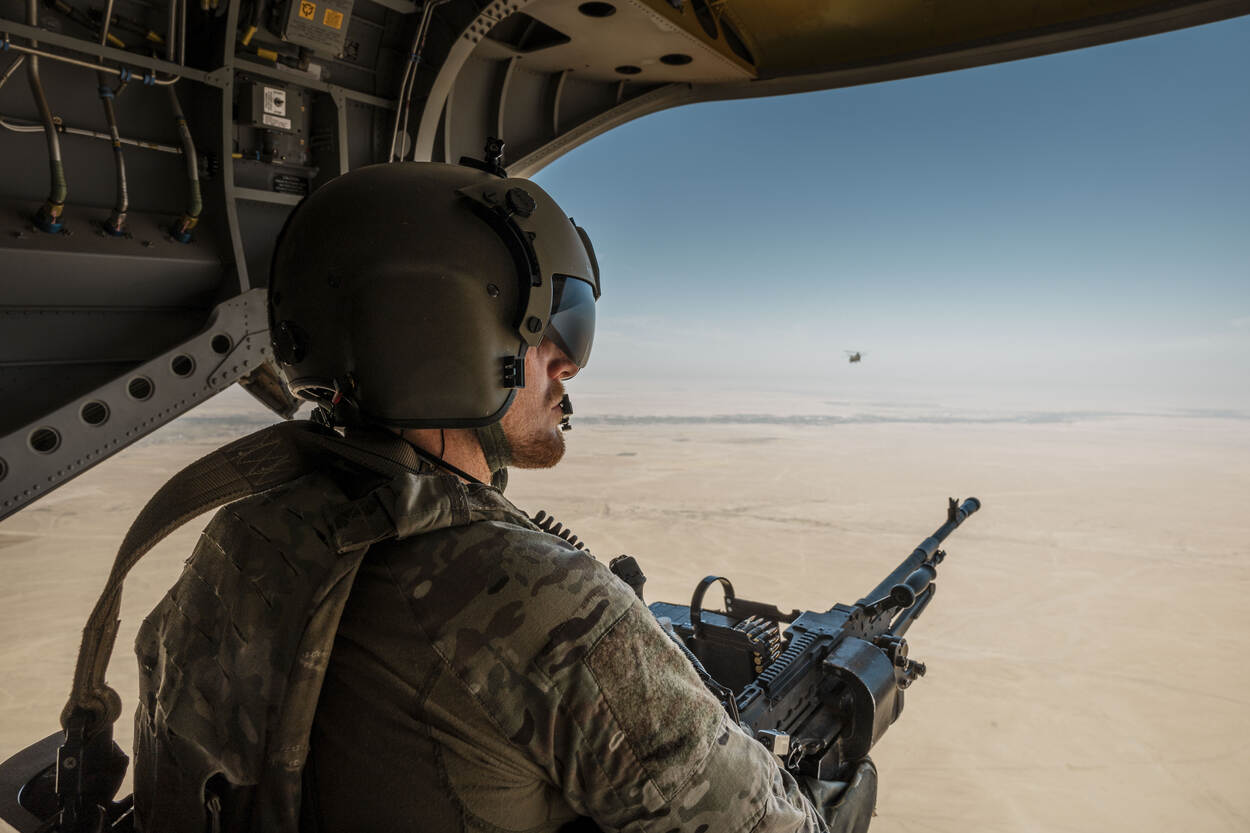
x=185 y=224
x=48 y=217
x=183 y=227
x=116 y=223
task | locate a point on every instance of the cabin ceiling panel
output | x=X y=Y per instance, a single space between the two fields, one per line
x=793 y=36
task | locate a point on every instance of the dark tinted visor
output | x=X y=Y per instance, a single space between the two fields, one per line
x=572 y=323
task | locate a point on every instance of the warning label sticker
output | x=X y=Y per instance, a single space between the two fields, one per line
x=317 y=25
x=276 y=121
x=275 y=101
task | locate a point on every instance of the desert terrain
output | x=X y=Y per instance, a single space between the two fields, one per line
x=1086 y=648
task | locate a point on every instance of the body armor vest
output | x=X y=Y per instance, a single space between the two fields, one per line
x=232 y=660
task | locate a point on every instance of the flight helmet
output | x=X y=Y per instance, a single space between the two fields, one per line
x=407 y=294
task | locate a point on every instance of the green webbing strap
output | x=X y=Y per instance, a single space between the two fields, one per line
x=258 y=462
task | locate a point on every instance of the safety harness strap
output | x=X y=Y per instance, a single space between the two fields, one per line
x=256 y=463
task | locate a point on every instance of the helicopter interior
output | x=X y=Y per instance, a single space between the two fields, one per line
x=151 y=152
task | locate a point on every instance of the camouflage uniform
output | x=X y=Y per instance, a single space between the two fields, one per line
x=487 y=676
x=484 y=676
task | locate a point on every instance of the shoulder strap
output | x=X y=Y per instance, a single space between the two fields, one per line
x=258 y=462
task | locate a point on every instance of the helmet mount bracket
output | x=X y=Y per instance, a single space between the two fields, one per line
x=492 y=161
x=498 y=206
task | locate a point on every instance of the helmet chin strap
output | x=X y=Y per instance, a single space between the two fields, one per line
x=497 y=451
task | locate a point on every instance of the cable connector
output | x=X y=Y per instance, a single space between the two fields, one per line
x=115 y=225
x=181 y=231
x=48 y=217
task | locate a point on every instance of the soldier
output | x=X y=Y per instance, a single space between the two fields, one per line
x=485 y=675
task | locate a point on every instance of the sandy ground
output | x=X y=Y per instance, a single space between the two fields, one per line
x=1086 y=650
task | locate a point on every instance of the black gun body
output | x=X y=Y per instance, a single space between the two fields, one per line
x=796 y=696
x=835 y=682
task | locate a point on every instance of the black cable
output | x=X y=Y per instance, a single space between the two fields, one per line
x=435 y=460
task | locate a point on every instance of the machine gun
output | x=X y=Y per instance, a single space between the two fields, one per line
x=822 y=692
x=819 y=694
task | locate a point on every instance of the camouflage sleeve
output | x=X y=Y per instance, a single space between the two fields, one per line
x=655 y=751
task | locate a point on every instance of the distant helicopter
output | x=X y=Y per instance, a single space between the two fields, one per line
x=854 y=356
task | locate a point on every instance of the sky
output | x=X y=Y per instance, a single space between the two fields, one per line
x=1070 y=231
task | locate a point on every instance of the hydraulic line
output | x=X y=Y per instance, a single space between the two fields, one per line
x=22 y=126
x=416 y=60
x=8 y=73
x=183 y=227
x=48 y=217
x=409 y=81
x=116 y=223
x=88 y=21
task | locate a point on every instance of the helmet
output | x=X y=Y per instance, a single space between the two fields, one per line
x=412 y=290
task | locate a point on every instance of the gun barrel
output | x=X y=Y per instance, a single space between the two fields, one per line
x=924 y=553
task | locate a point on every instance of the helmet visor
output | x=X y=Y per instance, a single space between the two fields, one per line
x=572 y=323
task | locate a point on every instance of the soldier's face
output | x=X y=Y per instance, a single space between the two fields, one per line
x=532 y=424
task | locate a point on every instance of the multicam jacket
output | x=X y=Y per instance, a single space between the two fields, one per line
x=488 y=676
x=484 y=676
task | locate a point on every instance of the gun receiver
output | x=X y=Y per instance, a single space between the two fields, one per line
x=820 y=693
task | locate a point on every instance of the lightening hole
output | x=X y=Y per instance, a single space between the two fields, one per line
x=94 y=412
x=45 y=440
x=182 y=365
x=597 y=9
x=140 y=388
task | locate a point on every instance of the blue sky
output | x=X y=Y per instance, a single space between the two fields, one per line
x=1066 y=231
